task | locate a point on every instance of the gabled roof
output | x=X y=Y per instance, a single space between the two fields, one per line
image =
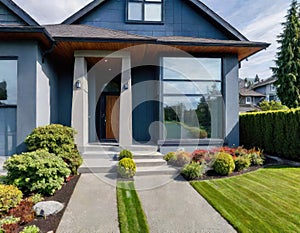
x=202 y=7
x=265 y=82
x=19 y=12
x=248 y=92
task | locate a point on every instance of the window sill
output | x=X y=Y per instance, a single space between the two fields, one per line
x=144 y=22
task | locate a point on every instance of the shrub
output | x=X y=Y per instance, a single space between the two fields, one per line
x=182 y=158
x=36 y=198
x=224 y=164
x=56 y=139
x=193 y=170
x=37 y=171
x=125 y=154
x=31 y=229
x=242 y=162
x=256 y=159
x=9 y=224
x=170 y=156
x=24 y=211
x=272 y=105
x=200 y=156
x=10 y=196
x=9 y=228
x=276 y=132
x=126 y=168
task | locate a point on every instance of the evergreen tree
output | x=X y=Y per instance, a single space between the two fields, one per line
x=287 y=68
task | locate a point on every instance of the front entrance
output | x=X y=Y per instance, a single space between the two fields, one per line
x=108 y=112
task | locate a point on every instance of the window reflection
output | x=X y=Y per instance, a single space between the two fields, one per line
x=192 y=98
x=8 y=104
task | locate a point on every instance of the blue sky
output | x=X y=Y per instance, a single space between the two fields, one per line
x=256 y=19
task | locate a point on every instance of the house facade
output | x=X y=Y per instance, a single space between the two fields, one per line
x=267 y=87
x=161 y=72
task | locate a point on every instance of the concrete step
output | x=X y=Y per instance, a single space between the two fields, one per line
x=140 y=171
x=113 y=154
x=149 y=162
x=136 y=149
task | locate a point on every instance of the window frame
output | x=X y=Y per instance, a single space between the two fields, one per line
x=249 y=102
x=162 y=134
x=143 y=21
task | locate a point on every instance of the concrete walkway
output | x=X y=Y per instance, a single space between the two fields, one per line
x=92 y=208
x=177 y=208
x=171 y=206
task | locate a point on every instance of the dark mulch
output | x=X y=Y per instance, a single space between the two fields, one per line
x=63 y=196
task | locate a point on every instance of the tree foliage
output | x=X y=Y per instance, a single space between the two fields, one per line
x=287 y=68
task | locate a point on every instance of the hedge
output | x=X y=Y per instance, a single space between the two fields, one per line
x=276 y=132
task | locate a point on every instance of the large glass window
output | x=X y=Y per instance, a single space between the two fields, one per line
x=8 y=105
x=192 y=97
x=144 y=10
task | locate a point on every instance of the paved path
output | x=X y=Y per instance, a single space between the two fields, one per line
x=2 y=160
x=177 y=208
x=92 y=208
x=171 y=206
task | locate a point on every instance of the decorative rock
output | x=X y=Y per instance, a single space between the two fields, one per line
x=46 y=208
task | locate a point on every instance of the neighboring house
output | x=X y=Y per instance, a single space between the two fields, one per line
x=267 y=88
x=123 y=72
x=249 y=100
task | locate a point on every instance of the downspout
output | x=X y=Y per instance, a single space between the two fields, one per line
x=45 y=53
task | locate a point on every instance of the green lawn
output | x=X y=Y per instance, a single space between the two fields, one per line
x=267 y=200
x=131 y=215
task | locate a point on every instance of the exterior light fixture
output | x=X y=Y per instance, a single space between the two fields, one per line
x=78 y=84
x=125 y=86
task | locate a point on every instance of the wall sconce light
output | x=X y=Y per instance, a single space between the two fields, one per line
x=125 y=86
x=78 y=84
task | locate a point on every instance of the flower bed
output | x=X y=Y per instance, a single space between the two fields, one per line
x=217 y=162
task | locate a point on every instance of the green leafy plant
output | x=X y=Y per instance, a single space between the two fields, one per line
x=125 y=154
x=193 y=171
x=272 y=105
x=31 y=229
x=242 y=162
x=24 y=211
x=56 y=139
x=127 y=168
x=224 y=164
x=170 y=156
x=36 y=198
x=38 y=171
x=10 y=196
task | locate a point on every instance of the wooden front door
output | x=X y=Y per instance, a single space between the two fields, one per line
x=112 y=112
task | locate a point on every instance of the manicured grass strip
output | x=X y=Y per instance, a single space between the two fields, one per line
x=131 y=215
x=267 y=200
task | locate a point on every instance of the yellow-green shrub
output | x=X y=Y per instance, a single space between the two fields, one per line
x=276 y=132
x=224 y=163
x=10 y=196
x=126 y=168
x=125 y=154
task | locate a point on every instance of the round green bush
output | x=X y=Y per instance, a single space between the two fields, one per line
x=242 y=162
x=56 y=139
x=224 y=164
x=170 y=156
x=10 y=196
x=127 y=168
x=38 y=172
x=193 y=171
x=125 y=154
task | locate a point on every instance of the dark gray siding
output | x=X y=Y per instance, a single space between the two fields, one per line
x=180 y=19
x=7 y=17
x=145 y=105
x=65 y=93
